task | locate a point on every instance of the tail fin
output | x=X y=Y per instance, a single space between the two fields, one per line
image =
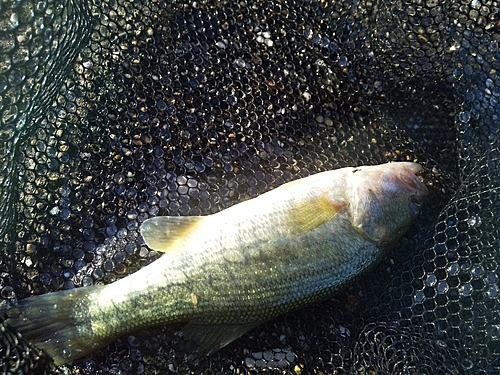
x=57 y=322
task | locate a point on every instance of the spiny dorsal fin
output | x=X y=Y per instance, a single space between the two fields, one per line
x=312 y=213
x=161 y=232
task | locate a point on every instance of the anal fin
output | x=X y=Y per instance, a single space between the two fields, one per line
x=211 y=337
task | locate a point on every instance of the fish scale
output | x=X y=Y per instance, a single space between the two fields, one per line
x=225 y=273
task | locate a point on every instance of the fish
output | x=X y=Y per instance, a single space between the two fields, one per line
x=224 y=274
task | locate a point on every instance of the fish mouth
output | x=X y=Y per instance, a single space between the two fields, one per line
x=413 y=167
x=408 y=177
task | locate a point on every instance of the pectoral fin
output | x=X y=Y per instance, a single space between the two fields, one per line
x=161 y=232
x=312 y=213
x=211 y=337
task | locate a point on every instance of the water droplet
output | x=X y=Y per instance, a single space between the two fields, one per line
x=431 y=280
x=419 y=297
x=474 y=221
x=477 y=271
x=257 y=355
x=453 y=269
x=66 y=353
x=491 y=278
x=7 y=292
x=466 y=289
x=442 y=287
x=249 y=362
x=14 y=20
x=240 y=62
x=464 y=116
x=492 y=291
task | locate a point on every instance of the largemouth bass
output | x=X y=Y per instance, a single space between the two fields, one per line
x=225 y=273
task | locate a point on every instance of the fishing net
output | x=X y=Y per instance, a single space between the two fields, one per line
x=115 y=111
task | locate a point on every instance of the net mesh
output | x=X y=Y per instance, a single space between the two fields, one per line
x=115 y=111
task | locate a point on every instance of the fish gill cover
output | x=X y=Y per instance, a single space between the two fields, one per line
x=112 y=112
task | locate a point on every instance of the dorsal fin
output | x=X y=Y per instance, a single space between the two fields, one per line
x=161 y=232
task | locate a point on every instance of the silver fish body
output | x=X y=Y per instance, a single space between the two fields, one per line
x=226 y=273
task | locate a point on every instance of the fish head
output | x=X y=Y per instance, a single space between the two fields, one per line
x=385 y=200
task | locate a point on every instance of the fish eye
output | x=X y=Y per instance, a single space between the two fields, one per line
x=415 y=201
x=415 y=205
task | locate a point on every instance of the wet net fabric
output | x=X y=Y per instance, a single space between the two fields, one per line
x=115 y=111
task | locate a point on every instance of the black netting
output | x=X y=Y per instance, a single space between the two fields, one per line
x=115 y=111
